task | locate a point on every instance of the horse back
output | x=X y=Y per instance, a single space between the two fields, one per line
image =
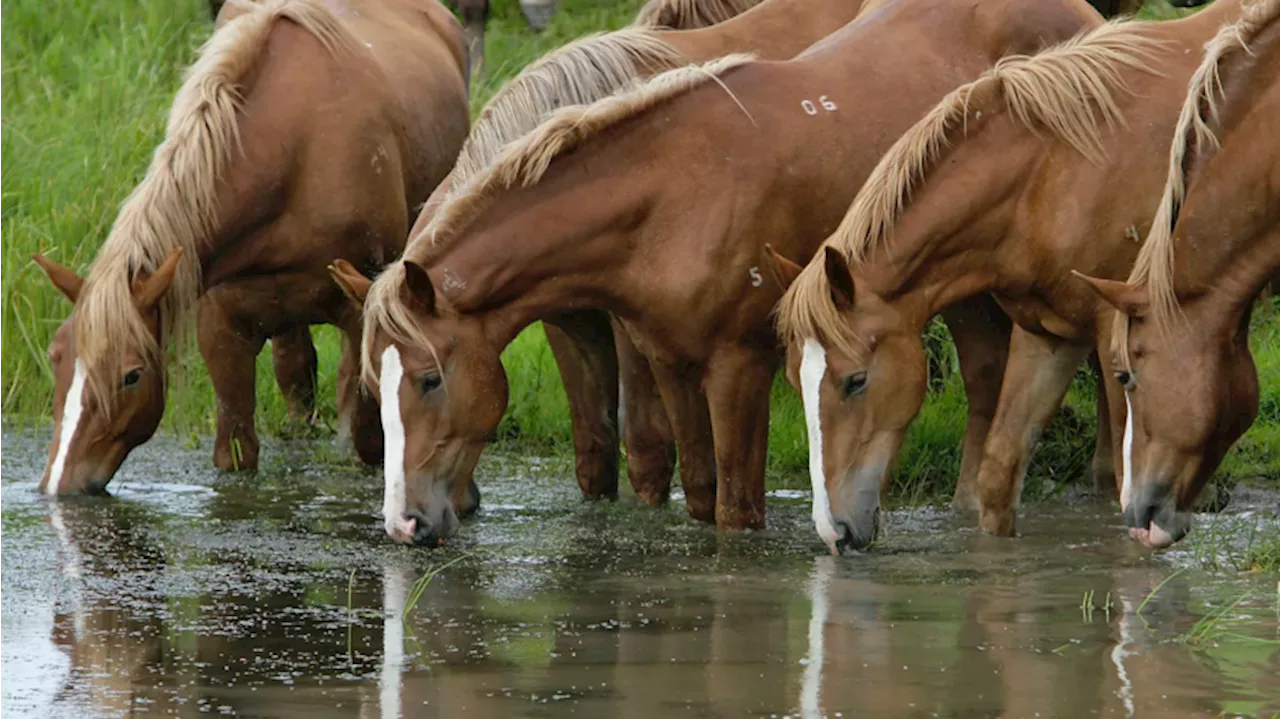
x=336 y=147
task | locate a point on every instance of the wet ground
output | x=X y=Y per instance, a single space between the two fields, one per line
x=190 y=592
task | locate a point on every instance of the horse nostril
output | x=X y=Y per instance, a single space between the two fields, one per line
x=424 y=533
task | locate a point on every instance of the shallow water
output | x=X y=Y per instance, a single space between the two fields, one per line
x=191 y=592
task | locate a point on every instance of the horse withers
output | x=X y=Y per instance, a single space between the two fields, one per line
x=252 y=192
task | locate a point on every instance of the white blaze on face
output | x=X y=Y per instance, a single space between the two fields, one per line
x=393 y=499
x=72 y=408
x=1126 y=456
x=813 y=367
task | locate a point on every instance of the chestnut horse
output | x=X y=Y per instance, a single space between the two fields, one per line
x=249 y=196
x=583 y=343
x=1181 y=342
x=1003 y=188
x=655 y=205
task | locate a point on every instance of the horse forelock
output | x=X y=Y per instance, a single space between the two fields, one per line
x=523 y=162
x=175 y=206
x=807 y=312
x=1068 y=90
x=385 y=311
x=690 y=14
x=585 y=70
x=1154 y=267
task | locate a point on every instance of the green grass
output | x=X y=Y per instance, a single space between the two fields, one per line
x=86 y=88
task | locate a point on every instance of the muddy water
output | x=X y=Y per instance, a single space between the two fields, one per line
x=189 y=592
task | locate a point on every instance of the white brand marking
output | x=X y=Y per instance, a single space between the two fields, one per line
x=813 y=367
x=71 y=411
x=756 y=278
x=811 y=109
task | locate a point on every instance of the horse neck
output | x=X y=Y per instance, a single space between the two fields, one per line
x=559 y=245
x=1228 y=232
x=952 y=240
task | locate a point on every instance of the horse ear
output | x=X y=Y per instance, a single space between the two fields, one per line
x=783 y=270
x=1132 y=300
x=66 y=281
x=419 y=286
x=840 y=278
x=148 y=288
x=353 y=283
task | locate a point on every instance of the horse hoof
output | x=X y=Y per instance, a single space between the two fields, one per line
x=997 y=523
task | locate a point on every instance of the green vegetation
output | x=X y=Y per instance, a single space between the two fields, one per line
x=86 y=89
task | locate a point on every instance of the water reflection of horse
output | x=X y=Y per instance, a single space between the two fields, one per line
x=672 y=243
x=1181 y=339
x=113 y=647
x=250 y=195
x=971 y=200
x=583 y=343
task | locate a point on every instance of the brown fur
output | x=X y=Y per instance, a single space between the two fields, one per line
x=175 y=206
x=585 y=347
x=596 y=66
x=521 y=165
x=1154 y=268
x=1067 y=90
x=251 y=194
x=661 y=219
x=1010 y=209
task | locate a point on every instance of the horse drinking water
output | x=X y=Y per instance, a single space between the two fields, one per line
x=301 y=133
x=655 y=205
x=1180 y=342
x=1005 y=187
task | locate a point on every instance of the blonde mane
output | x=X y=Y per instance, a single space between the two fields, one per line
x=1068 y=90
x=585 y=70
x=690 y=14
x=521 y=164
x=1154 y=266
x=175 y=205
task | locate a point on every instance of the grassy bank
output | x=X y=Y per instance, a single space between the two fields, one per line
x=86 y=89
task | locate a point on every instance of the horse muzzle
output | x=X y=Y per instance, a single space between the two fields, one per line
x=1153 y=517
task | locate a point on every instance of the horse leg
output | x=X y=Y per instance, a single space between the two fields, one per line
x=680 y=384
x=230 y=356
x=651 y=450
x=1103 y=466
x=293 y=357
x=1039 y=371
x=1113 y=412
x=358 y=418
x=738 y=385
x=980 y=330
x=582 y=343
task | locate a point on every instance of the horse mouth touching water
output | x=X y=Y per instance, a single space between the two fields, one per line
x=1180 y=339
x=247 y=197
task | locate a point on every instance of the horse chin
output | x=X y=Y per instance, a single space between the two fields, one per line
x=1155 y=537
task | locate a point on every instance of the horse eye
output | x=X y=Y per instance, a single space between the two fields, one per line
x=429 y=381
x=854 y=383
x=131 y=378
x=1125 y=379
